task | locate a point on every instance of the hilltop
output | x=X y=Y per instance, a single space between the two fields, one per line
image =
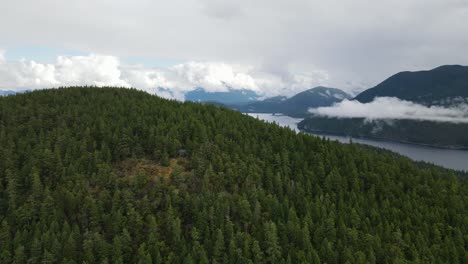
x=114 y=175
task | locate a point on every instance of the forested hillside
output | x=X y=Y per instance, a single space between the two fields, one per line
x=113 y=175
x=437 y=134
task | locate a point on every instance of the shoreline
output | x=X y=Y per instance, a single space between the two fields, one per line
x=373 y=138
x=379 y=139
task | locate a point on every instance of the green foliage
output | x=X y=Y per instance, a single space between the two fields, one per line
x=439 y=134
x=249 y=192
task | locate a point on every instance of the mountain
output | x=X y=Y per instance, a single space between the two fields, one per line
x=231 y=96
x=315 y=97
x=6 y=92
x=297 y=105
x=113 y=175
x=437 y=134
x=444 y=85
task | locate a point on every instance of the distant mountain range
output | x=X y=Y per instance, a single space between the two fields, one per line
x=298 y=104
x=231 y=96
x=444 y=85
x=247 y=101
x=6 y=92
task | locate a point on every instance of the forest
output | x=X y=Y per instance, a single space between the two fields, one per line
x=116 y=175
x=424 y=132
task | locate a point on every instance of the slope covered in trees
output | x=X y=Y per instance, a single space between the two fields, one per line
x=437 y=134
x=119 y=176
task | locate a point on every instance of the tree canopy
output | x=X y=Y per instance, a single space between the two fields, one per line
x=96 y=175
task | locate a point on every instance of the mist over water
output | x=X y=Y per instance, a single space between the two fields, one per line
x=282 y=120
x=394 y=108
x=448 y=158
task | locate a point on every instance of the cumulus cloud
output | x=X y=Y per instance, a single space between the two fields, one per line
x=171 y=82
x=351 y=39
x=97 y=69
x=394 y=108
x=76 y=70
x=213 y=76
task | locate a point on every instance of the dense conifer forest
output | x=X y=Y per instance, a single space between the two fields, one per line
x=115 y=175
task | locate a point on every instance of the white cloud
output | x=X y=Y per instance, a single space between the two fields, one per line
x=350 y=39
x=212 y=76
x=2 y=56
x=66 y=71
x=93 y=69
x=222 y=9
x=394 y=108
x=101 y=70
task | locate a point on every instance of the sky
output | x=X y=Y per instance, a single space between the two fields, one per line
x=273 y=47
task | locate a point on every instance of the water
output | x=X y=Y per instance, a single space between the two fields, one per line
x=448 y=158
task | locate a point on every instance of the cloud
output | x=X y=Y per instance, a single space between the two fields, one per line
x=213 y=76
x=394 y=108
x=66 y=71
x=96 y=69
x=222 y=9
x=360 y=42
x=172 y=82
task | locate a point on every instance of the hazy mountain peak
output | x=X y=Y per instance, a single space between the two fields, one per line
x=7 y=92
x=325 y=92
x=298 y=104
x=231 y=96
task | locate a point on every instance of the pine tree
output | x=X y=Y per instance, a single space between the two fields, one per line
x=218 y=247
x=20 y=256
x=272 y=248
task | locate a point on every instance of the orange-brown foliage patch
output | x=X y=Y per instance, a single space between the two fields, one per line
x=132 y=167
